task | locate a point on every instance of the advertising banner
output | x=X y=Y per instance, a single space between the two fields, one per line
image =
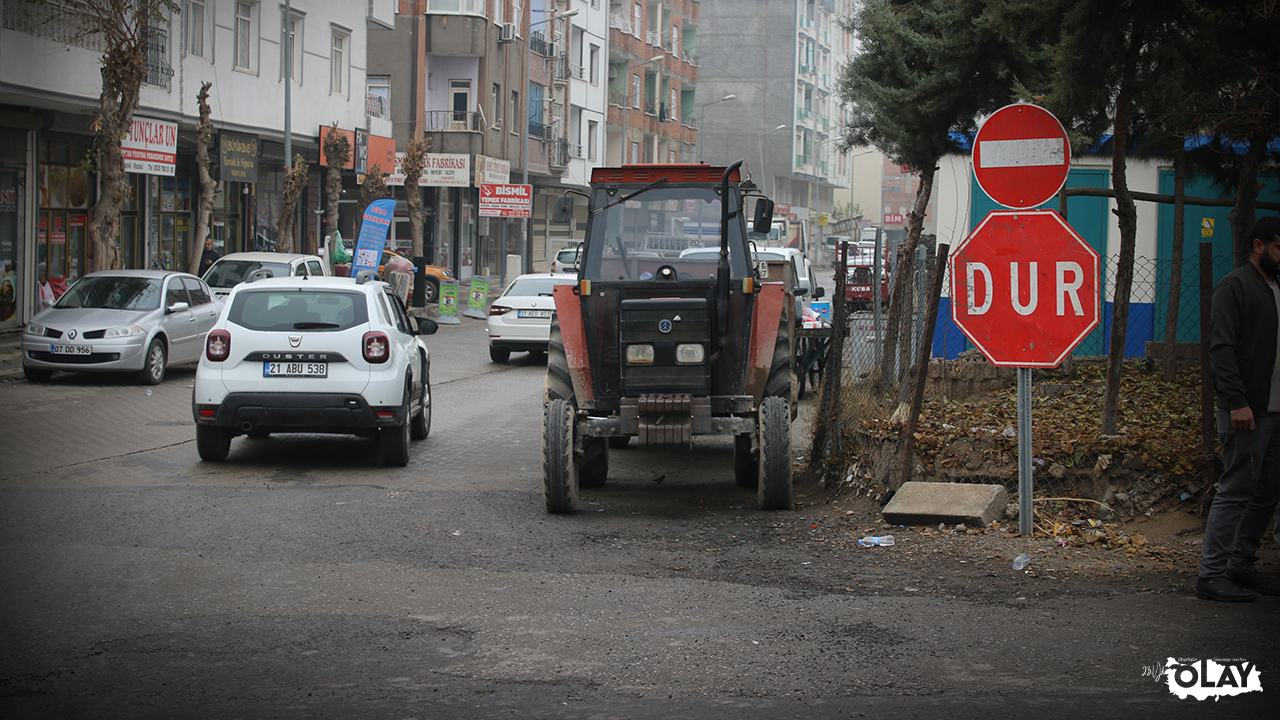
x=514 y=201
x=447 y=170
x=375 y=227
x=449 y=304
x=151 y=147
x=479 y=298
x=492 y=170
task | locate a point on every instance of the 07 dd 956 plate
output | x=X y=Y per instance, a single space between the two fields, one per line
x=295 y=369
x=71 y=349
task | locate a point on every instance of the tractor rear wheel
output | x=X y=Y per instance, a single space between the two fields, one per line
x=746 y=464
x=559 y=474
x=775 y=454
x=782 y=374
x=558 y=385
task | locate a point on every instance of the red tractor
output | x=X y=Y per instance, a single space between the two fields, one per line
x=669 y=332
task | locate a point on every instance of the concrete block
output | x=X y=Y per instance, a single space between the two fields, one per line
x=930 y=503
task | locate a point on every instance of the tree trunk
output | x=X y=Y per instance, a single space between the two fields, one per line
x=915 y=226
x=336 y=153
x=898 y=331
x=295 y=181
x=122 y=72
x=208 y=187
x=1244 y=214
x=1127 y=215
x=415 y=158
x=1175 y=259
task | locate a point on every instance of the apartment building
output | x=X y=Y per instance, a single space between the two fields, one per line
x=653 y=81
x=249 y=51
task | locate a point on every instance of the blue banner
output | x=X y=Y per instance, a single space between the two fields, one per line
x=375 y=227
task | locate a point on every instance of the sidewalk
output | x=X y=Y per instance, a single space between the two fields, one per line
x=10 y=355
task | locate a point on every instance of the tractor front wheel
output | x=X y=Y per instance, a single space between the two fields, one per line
x=775 y=454
x=559 y=474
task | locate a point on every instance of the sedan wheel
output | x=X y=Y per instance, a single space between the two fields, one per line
x=36 y=374
x=152 y=371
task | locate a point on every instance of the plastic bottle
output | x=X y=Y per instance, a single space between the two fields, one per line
x=877 y=541
x=1021 y=561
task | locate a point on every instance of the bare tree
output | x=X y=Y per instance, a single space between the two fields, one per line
x=337 y=151
x=373 y=188
x=208 y=186
x=295 y=180
x=125 y=26
x=415 y=158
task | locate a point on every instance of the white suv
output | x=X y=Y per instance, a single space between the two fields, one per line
x=566 y=260
x=314 y=355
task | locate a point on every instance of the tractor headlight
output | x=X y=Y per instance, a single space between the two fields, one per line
x=690 y=353
x=640 y=354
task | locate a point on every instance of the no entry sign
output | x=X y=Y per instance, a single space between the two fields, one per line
x=502 y=200
x=1024 y=288
x=1021 y=156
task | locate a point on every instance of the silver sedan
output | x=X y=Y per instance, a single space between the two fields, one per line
x=139 y=321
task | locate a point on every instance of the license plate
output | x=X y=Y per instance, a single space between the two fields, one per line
x=71 y=349
x=534 y=314
x=295 y=369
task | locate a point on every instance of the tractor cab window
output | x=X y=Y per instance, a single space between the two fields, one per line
x=663 y=226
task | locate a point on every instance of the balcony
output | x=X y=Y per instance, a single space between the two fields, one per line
x=539 y=130
x=456 y=7
x=577 y=72
x=617 y=98
x=453 y=121
x=689 y=120
x=559 y=153
x=653 y=37
x=621 y=22
x=538 y=43
x=561 y=69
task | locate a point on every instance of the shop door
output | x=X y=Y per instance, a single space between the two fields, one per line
x=11 y=184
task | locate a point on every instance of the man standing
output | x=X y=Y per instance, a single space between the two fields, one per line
x=209 y=257
x=1245 y=320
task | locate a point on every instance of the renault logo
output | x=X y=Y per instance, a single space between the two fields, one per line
x=295 y=340
x=72 y=334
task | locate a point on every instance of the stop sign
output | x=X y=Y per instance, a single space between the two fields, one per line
x=1025 y=288
x=1021 y=155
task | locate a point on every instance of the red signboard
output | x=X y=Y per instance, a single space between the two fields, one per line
x=1025 y=288
x=1021 y=156
x=894 y=218
x=506 y=200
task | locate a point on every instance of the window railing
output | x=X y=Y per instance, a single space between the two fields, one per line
x=539 y=130
x=689 y=120
x=617 y=98
x=653 y=37
x=559 y=153
x=621 y=22
x=159 y=71
x=650 y=108
x=456 y=7
x=538 y=42
x=49 y=22
x=560 y=68
x=575 y=151
x=577 y=71
x=453 y=121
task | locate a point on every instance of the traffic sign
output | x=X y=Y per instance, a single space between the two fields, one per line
x=502 y=200
x=1021 y=156
x=1025 y=288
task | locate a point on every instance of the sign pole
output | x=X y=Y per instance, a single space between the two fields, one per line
x=1025 y=524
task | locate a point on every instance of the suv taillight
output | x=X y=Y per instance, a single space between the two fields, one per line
x=376 y=347
x=498 y=310
x=217 y=347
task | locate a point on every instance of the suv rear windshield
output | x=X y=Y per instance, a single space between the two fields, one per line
x=229 y=273
x=283 y=309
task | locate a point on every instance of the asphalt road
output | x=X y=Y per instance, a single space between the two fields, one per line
x=301 y=578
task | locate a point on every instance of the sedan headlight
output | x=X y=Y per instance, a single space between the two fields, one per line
x=689 y=353
x=640 y=354
x=124 y=332
x=34 y=329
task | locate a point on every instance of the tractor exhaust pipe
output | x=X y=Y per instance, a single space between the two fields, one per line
x=722 y=267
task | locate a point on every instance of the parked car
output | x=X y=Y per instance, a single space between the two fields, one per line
x=234 y=268
x=317 y=355
x=139 y=321
x=566 y=260
x=520 y=318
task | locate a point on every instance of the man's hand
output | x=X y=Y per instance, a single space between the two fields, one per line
x=1242 y=419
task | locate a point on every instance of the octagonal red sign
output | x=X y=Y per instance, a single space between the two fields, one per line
x=1025 y=288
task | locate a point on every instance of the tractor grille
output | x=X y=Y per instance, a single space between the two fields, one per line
x=665 y=324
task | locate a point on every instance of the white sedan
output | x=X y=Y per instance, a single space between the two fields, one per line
x=520 y=319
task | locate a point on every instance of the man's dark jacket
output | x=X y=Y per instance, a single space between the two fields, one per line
x=1242 y=339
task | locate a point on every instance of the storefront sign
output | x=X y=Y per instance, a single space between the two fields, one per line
x=151 y=147
x=492 y=170
x=368 y=150
x=506 y=200
x=397 y=177
x=447 y=170
x=238 y=157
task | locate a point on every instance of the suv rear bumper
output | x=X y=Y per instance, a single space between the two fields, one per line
x=340 y=413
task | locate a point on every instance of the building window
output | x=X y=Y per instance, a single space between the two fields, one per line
x=515 y=111
x=456 y=7
x=635 y=152
x=639 y=20
x=592 y=129
x=635 y=91
x=244 y=36
x=378 y=96
x=495 y=105
x=195 y=28
x=536 y=119
x=291 y=48
x=595 y=64
x=338 y=64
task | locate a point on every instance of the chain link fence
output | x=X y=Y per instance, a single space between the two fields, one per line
x=967 y=428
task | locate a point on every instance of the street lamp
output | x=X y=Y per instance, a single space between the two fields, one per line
x=527 y=245
x=702 y=114
x=627 y=101
x=760 y=140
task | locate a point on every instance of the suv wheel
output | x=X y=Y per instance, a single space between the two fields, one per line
x=212 y=442
x=420 y=427
x=395 y=441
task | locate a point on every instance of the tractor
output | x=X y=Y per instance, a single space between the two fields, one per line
x=669 y=332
